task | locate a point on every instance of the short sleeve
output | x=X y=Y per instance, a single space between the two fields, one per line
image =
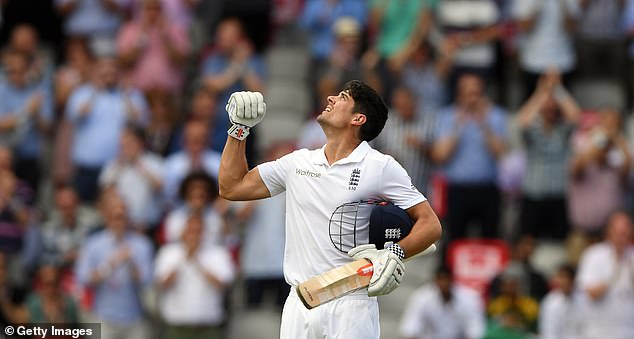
x=274 y=173
x=397 y=187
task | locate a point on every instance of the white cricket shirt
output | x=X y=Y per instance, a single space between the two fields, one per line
x=314 y=190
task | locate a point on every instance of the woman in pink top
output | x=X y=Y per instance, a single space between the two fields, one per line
x=599 y=169
x=152 y=50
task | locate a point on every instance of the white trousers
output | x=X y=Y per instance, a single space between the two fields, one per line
x=351 y=317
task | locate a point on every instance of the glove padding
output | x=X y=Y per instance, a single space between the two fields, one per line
x=388 y=268
x=246 y=108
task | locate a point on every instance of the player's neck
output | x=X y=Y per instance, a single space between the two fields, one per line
x=339 y=148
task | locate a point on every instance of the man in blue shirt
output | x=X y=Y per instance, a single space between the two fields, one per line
x=232 y=66
x=117 y=264
x=25 y=114
x=99 y=111
x=470 y=138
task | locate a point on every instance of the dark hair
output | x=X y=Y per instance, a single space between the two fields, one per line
x=568 y=270
x=368 y=102
x=199 y=176
x=444 y=271
x=137 y=131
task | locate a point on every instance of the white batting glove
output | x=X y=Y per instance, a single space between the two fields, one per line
x=388 y=268
x=246 y=109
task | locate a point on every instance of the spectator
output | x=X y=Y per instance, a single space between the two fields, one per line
x=513 y=314
x=22 y=190
x=11 y=310
x=547 y=38
x=193 y=278
x=342 y=64
x=547 y=121
x=98 y=21
x=600 y=39
x=319 y=17
x=194 y=157
x=14 y=215
x=68 y=226
x=425 y=75
x=198 y=192
x=98 y=112
x=533 y=282
x=137 y=176
x=559 y=315
x=160 y=134
x=25 y=115
x=48 y=303
x=470 y=139
x=469 y=29
x=25 y=39
x=117 y=264
x=202 y=110
x=600 y=167
x=152 y=50
x=397 y=28
x=605 y=279
x=232 y=66
x=408 y=138
x=74 y=72
x=180 y=12
x=262 y=265
x=443 y=310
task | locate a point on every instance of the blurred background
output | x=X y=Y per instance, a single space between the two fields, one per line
x=511 y=116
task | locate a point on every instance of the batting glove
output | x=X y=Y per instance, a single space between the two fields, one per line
x=388 y=267
x=246 y=109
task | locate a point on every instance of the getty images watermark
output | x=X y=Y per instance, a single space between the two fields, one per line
x=44 y=331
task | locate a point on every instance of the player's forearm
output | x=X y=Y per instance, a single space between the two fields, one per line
x=426 y=230
x=233 y=167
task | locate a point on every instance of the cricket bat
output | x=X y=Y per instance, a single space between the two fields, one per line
x=340 y=281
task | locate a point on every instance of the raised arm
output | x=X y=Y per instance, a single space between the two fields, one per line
x=236 y=182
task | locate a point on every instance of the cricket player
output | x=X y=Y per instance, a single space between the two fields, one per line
x=316 y=182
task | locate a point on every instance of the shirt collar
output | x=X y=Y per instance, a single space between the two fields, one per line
x=357 y=155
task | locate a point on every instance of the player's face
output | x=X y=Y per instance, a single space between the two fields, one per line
x=339 y=110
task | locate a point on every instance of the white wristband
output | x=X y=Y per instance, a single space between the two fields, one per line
x=238 y=131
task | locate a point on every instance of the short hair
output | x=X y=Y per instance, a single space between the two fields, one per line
x=369 y=103
x=137 y=132
x=568 y=270
x=199 y=176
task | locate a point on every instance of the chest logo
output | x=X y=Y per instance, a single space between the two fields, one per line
x=307 y=173
x=354 y=179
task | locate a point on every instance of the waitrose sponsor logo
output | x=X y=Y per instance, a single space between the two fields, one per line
x=307 y=173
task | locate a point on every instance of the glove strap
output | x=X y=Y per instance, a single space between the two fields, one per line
x=238 y=131
x=396 y=249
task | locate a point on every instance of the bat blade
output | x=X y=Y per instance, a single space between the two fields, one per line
x=339 y=282
x=335 y=283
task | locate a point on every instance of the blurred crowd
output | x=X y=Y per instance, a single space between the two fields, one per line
x=112 y=122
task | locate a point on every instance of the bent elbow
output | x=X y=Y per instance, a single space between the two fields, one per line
x=436 y=231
